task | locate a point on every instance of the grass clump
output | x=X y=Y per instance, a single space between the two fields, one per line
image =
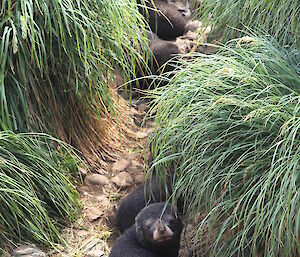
x=56 y=59
x=229 y=128
x=278 y=18
x=36 y=192
x=56 y=62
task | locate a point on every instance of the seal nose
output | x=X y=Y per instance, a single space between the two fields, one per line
x=161 y=227
x=162 y=232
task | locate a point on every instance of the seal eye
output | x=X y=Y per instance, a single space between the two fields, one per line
x=148 y=225
x=171 y=220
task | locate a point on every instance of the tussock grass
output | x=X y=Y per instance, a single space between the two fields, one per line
x=56 y=64
x=278 y=18
x=56 y=59
x=229 y=128
x=36 y=192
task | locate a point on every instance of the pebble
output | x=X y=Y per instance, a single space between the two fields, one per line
x=28 y=251
x=136 y=167
x=102 y=200
x=96 y=179
x=143 y=107
x=95 y=253
x=101 y=171
x=83 y=171
x=140 y=178
x=94 y=213
x=132 y=156
x=150 y=123
x=122 y=180
x=141 y=135
x=120 y=165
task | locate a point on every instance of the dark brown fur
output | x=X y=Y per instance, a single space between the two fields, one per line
x=150 y=192
x=139 y=240
x=164 y=19
x=161 y=52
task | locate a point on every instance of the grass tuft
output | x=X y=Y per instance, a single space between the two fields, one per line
x=278 y=18
x=229 y=128
x=57 y=58
x=36 y=193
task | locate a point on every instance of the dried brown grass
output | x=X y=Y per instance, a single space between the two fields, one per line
x=99 y=135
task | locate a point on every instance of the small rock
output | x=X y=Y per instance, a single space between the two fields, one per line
x=82 y=233
x=122 y=180
x=132 y=156
x=96 y=179
x=91 y=244
x=94 y=213
x=101 y=171
x=95 y=253
x=193 y=25
x=28 y=251
x=120 y=165
x=83 y=171
x=150 y=123
x=136 y=167
x=150 y=130
x=143 y=107
x=140 y=178
x=141 y=135
x=102 y=201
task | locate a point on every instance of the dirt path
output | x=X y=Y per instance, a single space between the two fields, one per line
x=93 y=234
